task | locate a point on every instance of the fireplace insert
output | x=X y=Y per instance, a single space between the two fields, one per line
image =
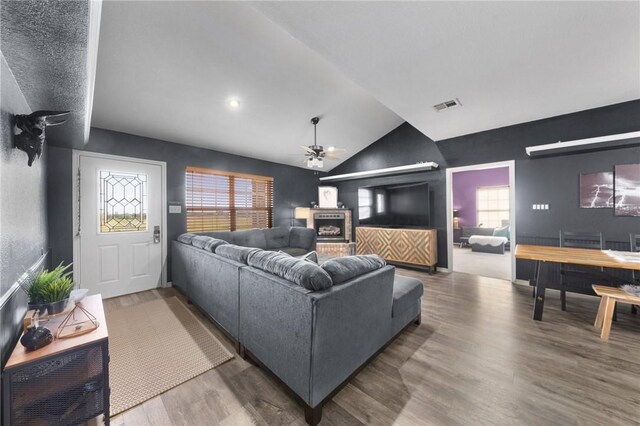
x=329 y=226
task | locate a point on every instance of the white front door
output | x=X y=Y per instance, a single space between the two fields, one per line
x=120 y=247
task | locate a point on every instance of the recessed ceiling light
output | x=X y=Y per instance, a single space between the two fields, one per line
x=234 y=103
x=331 y=148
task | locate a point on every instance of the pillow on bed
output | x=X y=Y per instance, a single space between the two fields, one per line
x=502 y=232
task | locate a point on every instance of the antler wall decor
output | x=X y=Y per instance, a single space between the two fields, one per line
x=33 y=126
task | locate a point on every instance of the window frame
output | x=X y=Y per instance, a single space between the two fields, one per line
x=192 y=208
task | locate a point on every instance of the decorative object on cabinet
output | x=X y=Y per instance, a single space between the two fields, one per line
x=328 y=196
x=36 y=337
x=596 y=190
x=78 y=321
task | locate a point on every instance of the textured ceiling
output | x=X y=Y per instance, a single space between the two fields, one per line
x=507 y=62
x=167 y=69
x=45 y=44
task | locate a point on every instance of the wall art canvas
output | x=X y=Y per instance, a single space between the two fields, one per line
x=596 y=190
x=627 y=187
x=328 y=197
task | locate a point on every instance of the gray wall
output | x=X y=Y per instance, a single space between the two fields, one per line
x=23 y=222
x=293 y=186
x=552 y=180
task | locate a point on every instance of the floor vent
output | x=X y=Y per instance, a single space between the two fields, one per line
x=453 y=103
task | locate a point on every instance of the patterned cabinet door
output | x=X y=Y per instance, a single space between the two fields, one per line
x=414 y=246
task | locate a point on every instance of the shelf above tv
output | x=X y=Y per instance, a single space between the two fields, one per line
x=411 y=168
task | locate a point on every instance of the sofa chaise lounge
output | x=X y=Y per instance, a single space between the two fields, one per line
x=313 y=326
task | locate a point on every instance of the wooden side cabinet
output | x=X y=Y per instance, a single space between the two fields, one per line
x=409 y=246
x=63 y=383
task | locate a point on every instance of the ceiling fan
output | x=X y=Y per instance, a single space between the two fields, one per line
x=316 y=154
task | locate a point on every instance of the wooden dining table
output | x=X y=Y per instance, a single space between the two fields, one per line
x=573 y=256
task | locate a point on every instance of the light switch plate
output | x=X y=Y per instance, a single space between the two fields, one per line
x=175 y=209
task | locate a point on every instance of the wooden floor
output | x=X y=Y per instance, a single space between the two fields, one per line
x=478 y=358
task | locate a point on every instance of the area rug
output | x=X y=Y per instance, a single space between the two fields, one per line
x=155 y=346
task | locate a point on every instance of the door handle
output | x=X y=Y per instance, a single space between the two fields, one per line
x=156 y=234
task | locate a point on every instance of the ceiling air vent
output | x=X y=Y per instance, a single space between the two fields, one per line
x=453 y=103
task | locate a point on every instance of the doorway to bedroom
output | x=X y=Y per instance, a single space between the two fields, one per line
x=481 y=210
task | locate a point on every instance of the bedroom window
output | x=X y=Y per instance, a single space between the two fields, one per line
x=227 y=201
x=492 y=206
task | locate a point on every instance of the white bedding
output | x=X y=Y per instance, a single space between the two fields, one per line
x=487 y=240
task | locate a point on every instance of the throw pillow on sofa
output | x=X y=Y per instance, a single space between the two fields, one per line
x=312 y=256
x=236 y=253
x=186 y=238
x=343 y=269
x=306 y=274
x=206 y=243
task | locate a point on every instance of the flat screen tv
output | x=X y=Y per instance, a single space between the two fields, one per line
x=403 y=205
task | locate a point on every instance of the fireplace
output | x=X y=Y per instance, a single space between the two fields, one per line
x=330 y=226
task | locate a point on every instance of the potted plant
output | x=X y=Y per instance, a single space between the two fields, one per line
x=56 y=294
x=47 y=288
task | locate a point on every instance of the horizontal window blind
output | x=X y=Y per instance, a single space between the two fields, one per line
x=492 y=206
x=226 y=201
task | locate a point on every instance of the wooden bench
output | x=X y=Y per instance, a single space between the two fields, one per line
x=610 y=295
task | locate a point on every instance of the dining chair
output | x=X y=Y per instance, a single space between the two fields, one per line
x=586 y=240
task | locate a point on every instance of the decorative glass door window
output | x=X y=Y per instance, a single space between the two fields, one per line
x=123 y=202
x=492 y=206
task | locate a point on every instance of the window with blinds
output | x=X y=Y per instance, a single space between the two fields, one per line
x=226 y=201
x=492 y=205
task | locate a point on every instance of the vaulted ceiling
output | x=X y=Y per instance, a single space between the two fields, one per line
x=168 y=69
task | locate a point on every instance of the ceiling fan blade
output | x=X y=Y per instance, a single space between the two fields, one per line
x=338 y=150
x=331 y=157
x=306 y=148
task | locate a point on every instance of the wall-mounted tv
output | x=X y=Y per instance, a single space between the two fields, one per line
x=402 y=205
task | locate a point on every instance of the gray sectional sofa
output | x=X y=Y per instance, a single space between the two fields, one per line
x=313 y=326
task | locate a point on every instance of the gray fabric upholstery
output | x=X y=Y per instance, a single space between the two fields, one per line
x=206 y=243
x=351 y=322
x=276 y=237
x=209 y=281
x=306 y=274
x=297 y=241
x=294 y=251
x=250 y=238
x=311 y=257
x=186 y=238
x=402 y=319
x=405 y=291
x=235 y=253
x=276 y=325
x=221 y=235
x=302 y=238
x=342 y=269
x=312 y=340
